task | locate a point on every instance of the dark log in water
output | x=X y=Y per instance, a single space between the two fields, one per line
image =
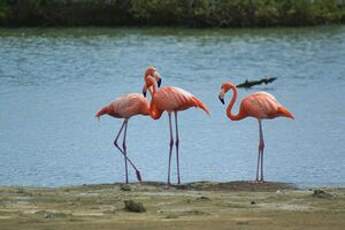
x=248 y=84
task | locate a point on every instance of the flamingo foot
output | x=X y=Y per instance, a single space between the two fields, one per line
x=167 y=186
x=261 y=181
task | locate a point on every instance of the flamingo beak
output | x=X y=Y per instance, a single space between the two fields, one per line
x=158 y=78
x=144 y=91
x=221 y=99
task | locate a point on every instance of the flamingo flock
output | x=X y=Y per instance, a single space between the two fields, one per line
x=259 y=105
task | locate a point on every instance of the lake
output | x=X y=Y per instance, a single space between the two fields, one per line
x=52 y=81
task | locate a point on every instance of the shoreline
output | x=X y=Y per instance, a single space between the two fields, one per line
x=196 y=205
x=229 y=185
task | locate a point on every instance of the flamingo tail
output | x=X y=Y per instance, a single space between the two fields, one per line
x=200 y=105
x=285 y=113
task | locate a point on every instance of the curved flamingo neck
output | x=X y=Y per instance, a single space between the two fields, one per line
x=151 y=91
x=153 y=88
x=154 y=112
x=231 y=104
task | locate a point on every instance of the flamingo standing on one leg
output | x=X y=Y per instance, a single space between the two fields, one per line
x=170 y=99
x=260 y=105
x=125 y=107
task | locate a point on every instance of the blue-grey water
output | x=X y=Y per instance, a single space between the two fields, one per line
x=52 y=81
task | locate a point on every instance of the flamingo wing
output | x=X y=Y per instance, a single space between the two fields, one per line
x=260 y=105
x=176 y=99
x=131 y=104
x=126 y=106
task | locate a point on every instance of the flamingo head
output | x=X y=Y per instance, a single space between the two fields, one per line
x=152 y=71
x=151 y=78
x=224 y=89
x=150 y=82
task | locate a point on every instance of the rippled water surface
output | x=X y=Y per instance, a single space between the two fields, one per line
x=52 y=81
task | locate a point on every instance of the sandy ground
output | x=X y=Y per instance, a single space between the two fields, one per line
x=198 y=205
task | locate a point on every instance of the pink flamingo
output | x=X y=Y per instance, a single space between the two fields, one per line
x=170 y=99
x=125 y=107
x=260 y=105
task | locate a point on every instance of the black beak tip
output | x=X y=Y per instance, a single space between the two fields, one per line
x=159 y=82
x=144 y=93
x=221 y=99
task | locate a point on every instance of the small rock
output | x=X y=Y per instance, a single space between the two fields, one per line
x=203 y=198
x=195 y=212
x=126 y=188
x=242 y=222
x=252 y=202
x=20 y=190
x=322 y=194
x=134 y=206
x=171 y=216
x=50 y=215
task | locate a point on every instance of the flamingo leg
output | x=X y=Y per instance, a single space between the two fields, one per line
x=177 y=152
x=258 y=164
x=117 y=137
x=262 y=166
x=124 y=146
x=170 y=146
x=261 y=146
x=125 y=155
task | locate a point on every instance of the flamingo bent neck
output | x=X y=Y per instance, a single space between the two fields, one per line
x=233 y=117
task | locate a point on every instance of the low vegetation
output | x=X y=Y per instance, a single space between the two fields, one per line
x=192 y=13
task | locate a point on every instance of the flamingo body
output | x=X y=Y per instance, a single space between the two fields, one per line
x=262 y=105
x=125 y=107
x=173 y=99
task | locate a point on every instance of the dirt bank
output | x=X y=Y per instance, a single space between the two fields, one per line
x=199 y=205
